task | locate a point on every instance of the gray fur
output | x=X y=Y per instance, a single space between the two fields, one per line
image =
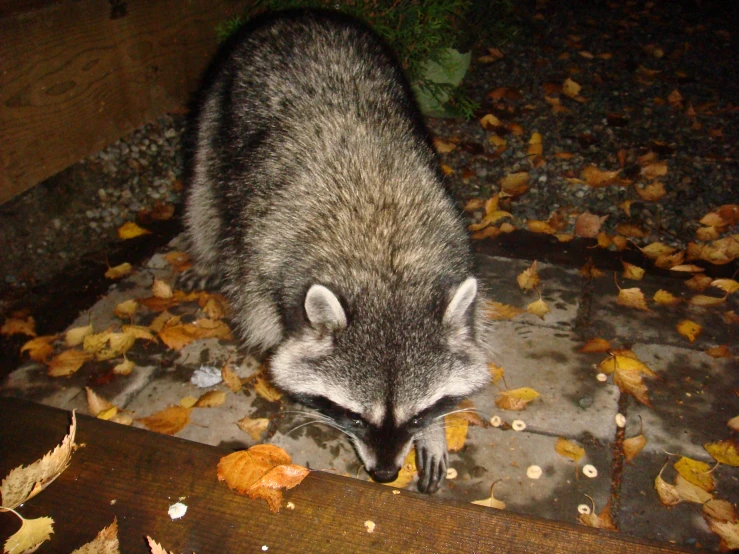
x=316 y=198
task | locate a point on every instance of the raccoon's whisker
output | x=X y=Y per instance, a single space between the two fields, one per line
x=319 y=422
x=465 y=410
x=304 y=413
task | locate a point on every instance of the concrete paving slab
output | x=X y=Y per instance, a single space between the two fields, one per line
x=693 y=399
x=560 y=289
x=572 y=401
x=610 y=320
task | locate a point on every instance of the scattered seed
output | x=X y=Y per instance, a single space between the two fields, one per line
x=518 y=425
x=451 y=473
x=533 y=472
x=495 y=421
x=370 y=525
x=590 y=471
x=620 y=420
x=177 y=510
x=290 y=506
x=583 y=509
x=602 y=377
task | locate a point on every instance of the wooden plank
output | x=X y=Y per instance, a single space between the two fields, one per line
x=79 y=74
x=135 y=475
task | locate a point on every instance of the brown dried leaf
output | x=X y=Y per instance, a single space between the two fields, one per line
x=496 y=372
x=634 y=445
x=656 y=249
x=691 y=492
x=160 y=289
x=40 y=348
x=588 y=225
x=721 y=510
x=19 y=326
x=155 y=547
x=265 y=389
x=169 y=421
x=665 y=298
x=537 y=226
x=728 y=531
x=211 y=399
x=130 y=230
x=515 y=184
x=516 y=399
x=602 y=521
x=232 y=381
x=596 y=345
x=729 y=286
x=632 y=298
x=652 y=192
x=668 y=494
x=699 y=282
x=491 y=502
x=121 y=270
x=633 y=272
x=721 y=351
x=67 y=363
x=261 y=472
x=25 y=482
x=96 y=403
x=497 y=311
x=180 y=261
x=106 y=542
x=529 y=278
x=255 y=427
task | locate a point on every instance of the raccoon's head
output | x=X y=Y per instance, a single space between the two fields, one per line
x=385 y=366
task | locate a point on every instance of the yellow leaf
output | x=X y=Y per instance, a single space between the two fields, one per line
x=529 y=278
x=656 y=249
x=491 y=502
x=696 y=472
x=160 y=289
x=211 y=399
x=633 y=445
x=96 y=403
x=652 y=192
x=516 y=399
x=706 y=301
x=689 y=329
x=625 y=361
x=169 y=421
x=515 y=184
x=19 y=326
x=690 y=492
x=489 y=122
x=632 y=298
x=539 y=308
x=230 y=378
x=456 y=431
x=719 y=352
x=125 y=310
x=265 y=389
x=687 y=268
x=74 y=337
x=442 y=146
x=25 y=482
x=668 y=494
x=138 y=332
x=130 y=230
x=39 y=349
x=724 y=452
x=67 y=363
x=121 y=270
x=180 y=261
x=632 y=272
x=30 y=536
x=570 y=88
x=498 y=311
x=407 y=471
x=496 y=372
x=569 y=449
x=188 y=401
x=596 y=345
x=665 y=298
x=729 y=286
x=595 y=178
x=536 y=226
x=255 y=427
x=699 y=282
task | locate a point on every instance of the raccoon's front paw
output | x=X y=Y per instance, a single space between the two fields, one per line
x=195 y=279
x=431 y=460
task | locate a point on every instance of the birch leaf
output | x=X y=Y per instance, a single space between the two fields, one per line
x=30 y=536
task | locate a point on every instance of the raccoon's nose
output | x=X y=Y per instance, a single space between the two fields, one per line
x=384 y=475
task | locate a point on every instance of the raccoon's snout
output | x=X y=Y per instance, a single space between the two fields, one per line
x=384 y=475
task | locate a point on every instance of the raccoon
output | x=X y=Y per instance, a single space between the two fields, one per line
x=317 y=202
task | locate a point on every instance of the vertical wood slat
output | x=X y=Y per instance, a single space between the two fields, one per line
x=76 y=75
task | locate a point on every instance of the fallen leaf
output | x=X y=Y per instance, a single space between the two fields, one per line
x=729 y=286
x=121 y=270
x=721 y=351
x=19 y=326
x=232 y=381
x=496 y=373
x=180 y=261
x=689 y=329
x=138 y=332
x=696 y=472
x=515 y=184
x=467 y=411
x=39 y=349
x=628 y=230
x=96 y=403
x=596 y=345
x=213 y=306
x=656 y=249
x=569 y=449
x=571 y=88
x=539 y=308
x=456 y=431
x=687 y=268
x=107 y=345
x=652 y=192
x=698 y=282
x=24 y=482
x=728 y=531
x=631 y=271
x=130 y=230
x=74 y=337
x=632 y=298
x=30 y=536
x=255 y=427
x=589 y=271
x=724 y=452
x=67 y=363
x=595 y=178
x=665 y=298
x=536 y=226
x=706 y=301
x=668 y=494
x=106 y=541
x=124 y=368
x=265 y=389
x=602 y=521
x=126 y=310
x=160 y=289
x=169 y=421
x=721 y=510
x=529 y=278
x=160 y=304
x=489 y=122
x=442 y=146
x=588 y=225
x=633 y=445
x=690 y=492
x=491 y=502
x=211 y=399
x=654 y=170
x=261 y=472
x=516 y=399
x=406 y=473
x=177 y=335
x=155 y=547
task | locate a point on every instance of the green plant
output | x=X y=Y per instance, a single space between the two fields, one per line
x=420 y=32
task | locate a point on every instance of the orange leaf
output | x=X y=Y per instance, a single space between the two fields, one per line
x=169 y=421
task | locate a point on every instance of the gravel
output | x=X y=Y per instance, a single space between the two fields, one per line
x=78 y=211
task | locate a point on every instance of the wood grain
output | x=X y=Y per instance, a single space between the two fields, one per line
x=135 y=475
x=78 y=75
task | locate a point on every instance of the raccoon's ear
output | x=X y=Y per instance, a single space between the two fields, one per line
x=456 y=312
x=324 y=309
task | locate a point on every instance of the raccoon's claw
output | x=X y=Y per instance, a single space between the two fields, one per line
x=432 y=460
x=193 y=279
